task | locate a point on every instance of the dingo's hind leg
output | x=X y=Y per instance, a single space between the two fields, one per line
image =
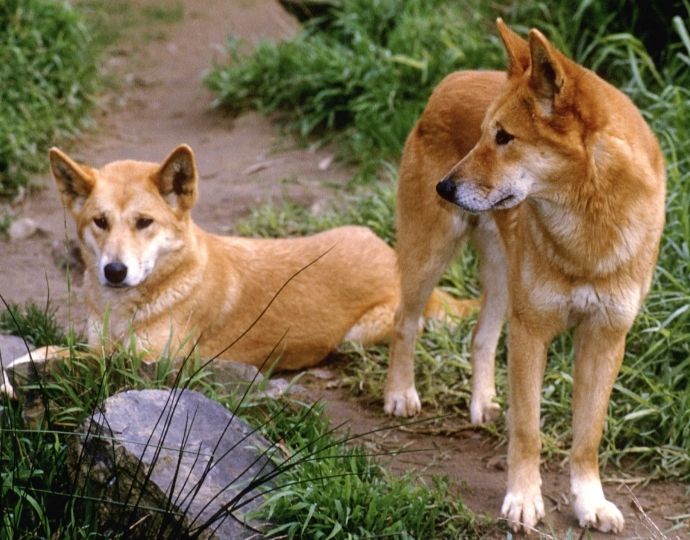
x=492 y=271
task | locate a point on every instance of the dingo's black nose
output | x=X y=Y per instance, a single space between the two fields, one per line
x=115 y=272
x=446 y=189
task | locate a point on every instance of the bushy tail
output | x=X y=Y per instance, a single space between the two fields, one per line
x=442 y=305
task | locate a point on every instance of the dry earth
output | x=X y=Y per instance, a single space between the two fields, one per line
x=157 y=102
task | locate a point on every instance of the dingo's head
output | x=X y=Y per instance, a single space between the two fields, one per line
x=131 y=216
x=532 y=134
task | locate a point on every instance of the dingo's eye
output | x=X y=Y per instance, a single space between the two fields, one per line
x=101 y=222
x=503 y=137
x=142 y=223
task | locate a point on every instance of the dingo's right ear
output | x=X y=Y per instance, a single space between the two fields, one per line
x=74 y=183
x=516 y=48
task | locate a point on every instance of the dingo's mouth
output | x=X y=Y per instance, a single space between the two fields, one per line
x=474 y=199
x=117 y=285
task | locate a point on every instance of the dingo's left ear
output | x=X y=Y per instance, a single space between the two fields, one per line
x=74 y=181
x=547 y=76
x=177 y=177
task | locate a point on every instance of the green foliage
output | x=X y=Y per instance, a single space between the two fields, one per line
x=48 y=74
x=5 y=222
x=360 y=76
x=324 y=483
x=346 y=494
x=372 y=208
x=649 y=413
x=35 y=324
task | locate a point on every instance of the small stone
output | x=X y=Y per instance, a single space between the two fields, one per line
x=11 y=347
x=498 y=463
x=22 y=229
x=325 y=163
x=235 y=376
x=276 y=388
x=21 y=375
x=321 y=373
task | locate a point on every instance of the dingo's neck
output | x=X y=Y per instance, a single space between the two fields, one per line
x=588 y=240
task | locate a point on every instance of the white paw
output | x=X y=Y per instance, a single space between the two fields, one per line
x=6 y=390
x=592 y=509
x=402 y=403
x=523 y=510
x=483 y=410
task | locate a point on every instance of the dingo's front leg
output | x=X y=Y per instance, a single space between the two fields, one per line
x=423 y=254
x=523 y=506
x=400 y=395
x=599 y=353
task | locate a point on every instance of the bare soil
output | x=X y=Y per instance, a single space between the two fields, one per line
x=157 y=101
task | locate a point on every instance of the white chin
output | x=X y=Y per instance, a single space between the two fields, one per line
x=472 y=199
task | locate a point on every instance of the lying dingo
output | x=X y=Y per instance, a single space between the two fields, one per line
x=157 y=273
x=560 y=183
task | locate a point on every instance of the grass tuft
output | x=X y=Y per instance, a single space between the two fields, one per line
x=349 y=495
x=35 y=324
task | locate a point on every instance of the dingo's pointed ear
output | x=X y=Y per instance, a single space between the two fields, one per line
x=516 y=48
x=74 y=182
x=547 y=77
x=177 y=177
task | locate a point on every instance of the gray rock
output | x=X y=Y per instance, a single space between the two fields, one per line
x=171 y=461
x=236 y=378
x=12 y=347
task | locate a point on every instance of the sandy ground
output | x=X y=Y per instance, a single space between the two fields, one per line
x=158 y=102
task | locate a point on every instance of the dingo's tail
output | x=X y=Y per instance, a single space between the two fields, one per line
x=442 y=305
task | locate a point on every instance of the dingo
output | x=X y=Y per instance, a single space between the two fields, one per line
x=173 y=284
x=568 y=183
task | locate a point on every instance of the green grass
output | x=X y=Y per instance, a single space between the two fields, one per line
x=49 y=74
x=50 y=53
x=35 y=324
x=328 y=484
x=352 y=496
x=372 y=207
x=360 y=77
x=5 y=222
x=649 y=414
x=124 y=22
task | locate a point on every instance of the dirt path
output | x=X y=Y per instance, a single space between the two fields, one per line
x=158 y=102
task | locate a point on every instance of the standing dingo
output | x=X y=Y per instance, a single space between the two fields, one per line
x=560 y=184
